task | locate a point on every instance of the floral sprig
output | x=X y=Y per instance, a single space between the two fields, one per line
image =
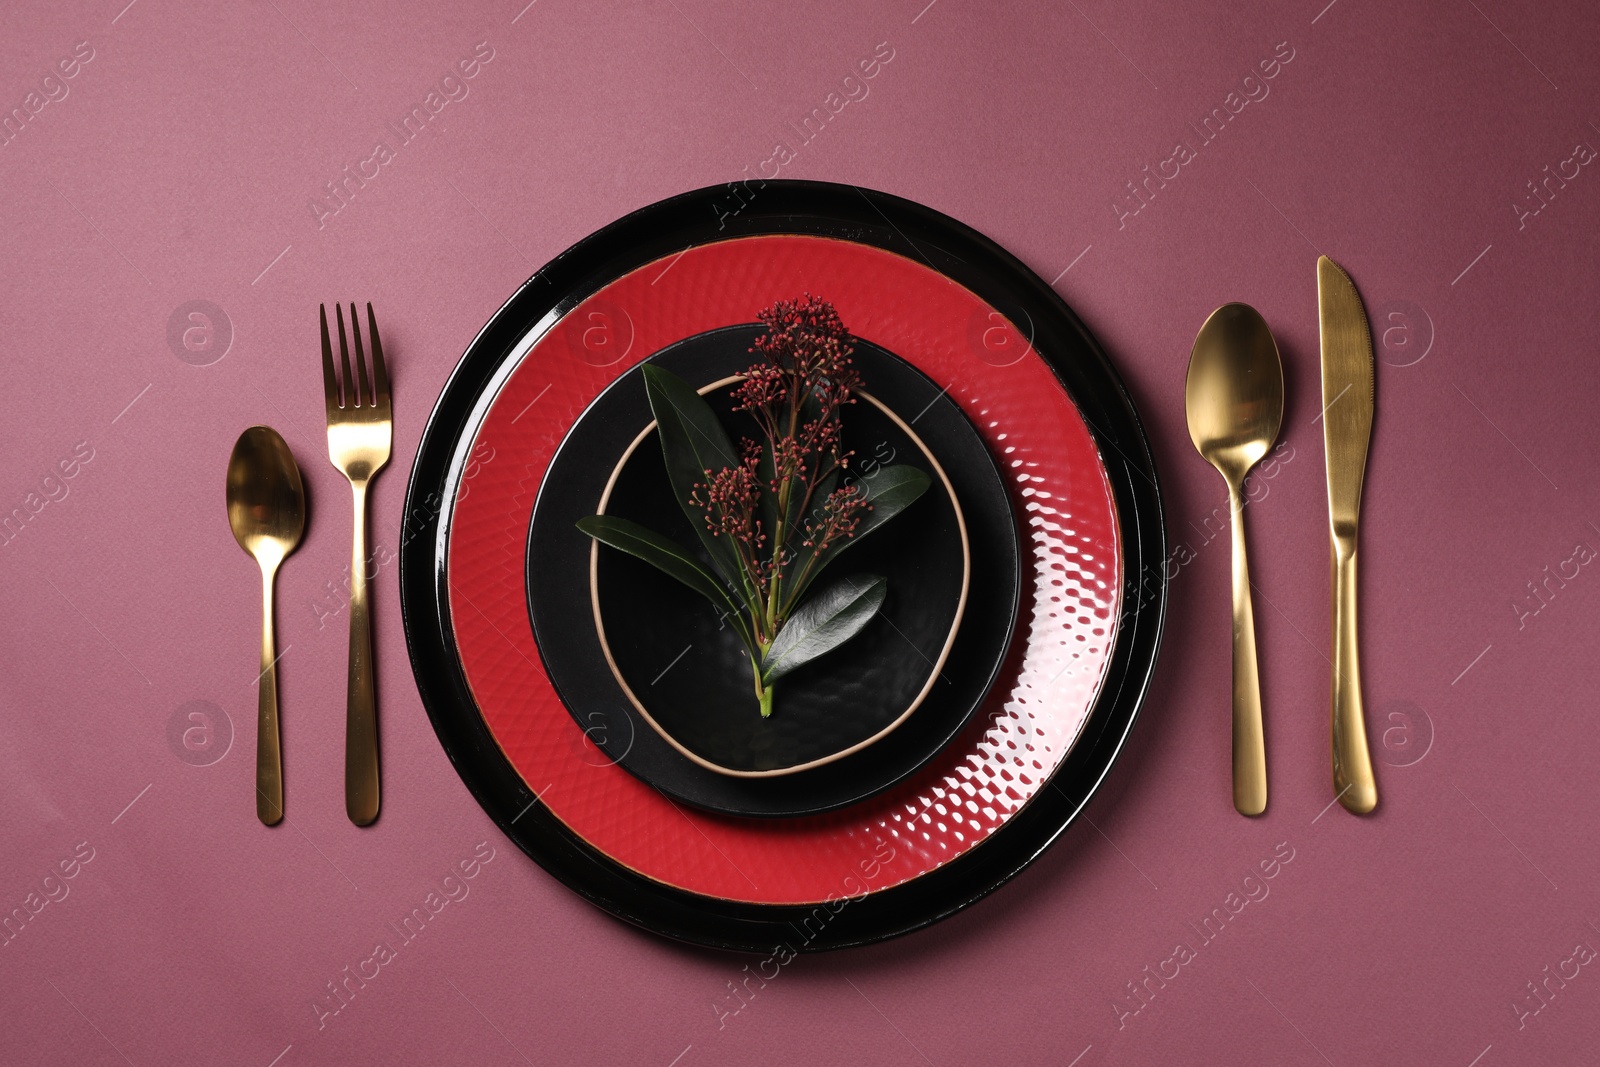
x=773 y=515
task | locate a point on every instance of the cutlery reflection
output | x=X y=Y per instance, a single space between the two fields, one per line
x=360 y=427
x=267 y=510
x=1234 y=399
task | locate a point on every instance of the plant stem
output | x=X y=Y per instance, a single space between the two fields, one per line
x=799 y=585
x=763 y=692
x=780 y=534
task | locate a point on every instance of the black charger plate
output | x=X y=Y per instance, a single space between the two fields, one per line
x=659 y=232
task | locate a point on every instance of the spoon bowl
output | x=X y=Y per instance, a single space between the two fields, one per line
x=1234 y=399
x=1234 y=394
x=266 y=498
x=267 y=511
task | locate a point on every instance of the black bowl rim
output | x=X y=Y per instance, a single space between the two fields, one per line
x=844 y=212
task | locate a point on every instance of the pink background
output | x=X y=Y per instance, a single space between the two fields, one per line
x=178 y=166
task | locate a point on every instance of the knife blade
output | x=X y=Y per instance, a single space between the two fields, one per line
x=1347 y=407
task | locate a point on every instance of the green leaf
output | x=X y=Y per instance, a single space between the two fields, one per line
x=693 y=441
x=667 y=557
x=823 y=623
x=890 y=490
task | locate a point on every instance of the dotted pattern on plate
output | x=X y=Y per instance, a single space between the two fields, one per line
x=1057 y=661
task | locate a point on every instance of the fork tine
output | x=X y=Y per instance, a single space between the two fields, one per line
x=330 y=384
x=364 y=394
x=351 y=397
x=380 y=373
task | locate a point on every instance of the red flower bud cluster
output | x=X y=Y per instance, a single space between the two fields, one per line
x=729 y=498
x=806 y=338
x=837 y=519
x=795 y=392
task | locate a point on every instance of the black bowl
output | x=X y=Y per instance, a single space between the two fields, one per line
x=849 y=715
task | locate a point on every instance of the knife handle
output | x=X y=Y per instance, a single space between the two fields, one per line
x=1353 y=782
x=1249 y=746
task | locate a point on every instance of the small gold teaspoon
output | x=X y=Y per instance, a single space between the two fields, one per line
x=1234 y=397
x=267 y=510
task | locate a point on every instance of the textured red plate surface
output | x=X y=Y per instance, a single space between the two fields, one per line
x=1071 y=575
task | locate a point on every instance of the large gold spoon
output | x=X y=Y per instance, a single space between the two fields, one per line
x=267 y=510
x=1234 y=398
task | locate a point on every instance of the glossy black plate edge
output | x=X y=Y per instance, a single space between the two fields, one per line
x=872 y=218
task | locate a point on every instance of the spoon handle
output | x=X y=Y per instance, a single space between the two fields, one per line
x=1249 y=746
x=361 y=714
x=269 y=754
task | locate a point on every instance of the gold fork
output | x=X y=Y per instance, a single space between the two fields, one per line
x=360 y=428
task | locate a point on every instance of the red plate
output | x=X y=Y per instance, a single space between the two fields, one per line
x=1068 y=619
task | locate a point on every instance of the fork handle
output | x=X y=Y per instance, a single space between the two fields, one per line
x=361 y=709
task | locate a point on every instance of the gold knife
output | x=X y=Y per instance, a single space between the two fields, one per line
x=1347 y=402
